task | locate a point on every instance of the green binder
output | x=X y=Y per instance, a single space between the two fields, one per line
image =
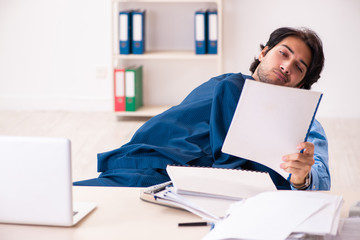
x=133 y=88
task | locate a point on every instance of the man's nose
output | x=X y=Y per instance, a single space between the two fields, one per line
x=285 y=68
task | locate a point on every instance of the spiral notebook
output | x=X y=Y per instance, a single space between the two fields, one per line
x=219 y=182
x=207 y=192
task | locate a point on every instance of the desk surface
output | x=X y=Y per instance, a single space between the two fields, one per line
x=120 y=214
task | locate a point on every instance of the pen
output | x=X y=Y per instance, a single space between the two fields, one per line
x=194 y=224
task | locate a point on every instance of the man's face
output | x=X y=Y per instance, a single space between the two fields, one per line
x=285 y=64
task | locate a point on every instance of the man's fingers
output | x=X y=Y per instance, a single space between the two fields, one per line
x=296 y=164
x=296 y=167
x=306 y=147
x=300 y=157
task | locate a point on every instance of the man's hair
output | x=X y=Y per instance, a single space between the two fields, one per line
x=311 y=39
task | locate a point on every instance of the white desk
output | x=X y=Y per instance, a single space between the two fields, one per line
x=120 y=214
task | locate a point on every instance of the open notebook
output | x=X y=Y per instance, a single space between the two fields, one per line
x=207 y=192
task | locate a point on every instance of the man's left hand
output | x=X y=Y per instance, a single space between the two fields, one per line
x=299 y=164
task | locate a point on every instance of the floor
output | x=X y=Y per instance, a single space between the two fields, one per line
x=94 y=132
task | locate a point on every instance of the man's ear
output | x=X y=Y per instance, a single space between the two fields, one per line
x=263 y=53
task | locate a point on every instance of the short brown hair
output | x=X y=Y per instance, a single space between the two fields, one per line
x=311 y=39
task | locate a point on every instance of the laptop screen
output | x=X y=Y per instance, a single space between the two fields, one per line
x=35 y=180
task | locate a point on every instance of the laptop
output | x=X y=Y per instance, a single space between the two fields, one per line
x=36 y=182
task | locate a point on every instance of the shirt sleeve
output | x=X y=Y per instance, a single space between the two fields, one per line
x=320 y=174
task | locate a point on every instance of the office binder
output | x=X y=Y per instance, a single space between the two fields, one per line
x=125 y=32
x=212 y=42
x=133 y=88
x=138 y=31
x=200 y=32
x=119 y=89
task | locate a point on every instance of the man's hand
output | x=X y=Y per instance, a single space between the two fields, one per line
x=299 y=164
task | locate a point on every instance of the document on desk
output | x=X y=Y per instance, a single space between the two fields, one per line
x=275 y=215
x=269 y=122
x=208 y=192
x=233 y=184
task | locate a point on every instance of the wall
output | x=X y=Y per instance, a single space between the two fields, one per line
x=336 y=22
x=57 y=54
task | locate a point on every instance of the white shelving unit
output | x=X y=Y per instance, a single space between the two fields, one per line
x=165 y=56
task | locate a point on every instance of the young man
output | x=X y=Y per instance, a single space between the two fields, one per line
x=193 y=132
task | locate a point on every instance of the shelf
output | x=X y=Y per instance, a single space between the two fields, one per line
x=168 y=55
x=174 y=57
x=145 y=111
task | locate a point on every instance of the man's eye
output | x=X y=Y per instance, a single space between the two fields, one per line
x=282 y=53
x=299 y=68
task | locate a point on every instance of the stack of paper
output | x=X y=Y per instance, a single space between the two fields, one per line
x=350 y=229
x=275 y=215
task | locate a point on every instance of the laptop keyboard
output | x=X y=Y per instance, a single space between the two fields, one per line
x=74 y=213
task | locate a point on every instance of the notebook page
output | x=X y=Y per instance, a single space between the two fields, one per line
x=219 y=181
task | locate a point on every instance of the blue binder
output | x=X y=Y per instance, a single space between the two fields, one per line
x=138 y=31
x=125 y=32
x=200 y=32
x=212 y=42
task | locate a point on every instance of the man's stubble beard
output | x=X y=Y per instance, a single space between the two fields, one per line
x=261 y=75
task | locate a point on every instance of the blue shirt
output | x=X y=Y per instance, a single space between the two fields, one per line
x=192 y=133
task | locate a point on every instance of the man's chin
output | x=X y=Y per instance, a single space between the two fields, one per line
x=271 y=81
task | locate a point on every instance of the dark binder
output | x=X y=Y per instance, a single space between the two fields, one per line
x=212 y=43
x=125 y=32
x=200 y=32
x=138 y=31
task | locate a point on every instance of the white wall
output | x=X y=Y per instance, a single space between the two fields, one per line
x=53 y=54
x=50 y=52
x=249 y=23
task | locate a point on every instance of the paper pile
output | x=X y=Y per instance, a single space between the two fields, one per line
x=275 y=215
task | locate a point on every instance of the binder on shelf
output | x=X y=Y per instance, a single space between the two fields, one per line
x=125 y=32
x=200 y=32
x=138 y=31
x=212 y=42
x=133 y=88
x=119 y=89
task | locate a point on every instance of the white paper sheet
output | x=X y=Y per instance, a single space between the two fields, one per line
x=271 y=215
x=269 y=122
